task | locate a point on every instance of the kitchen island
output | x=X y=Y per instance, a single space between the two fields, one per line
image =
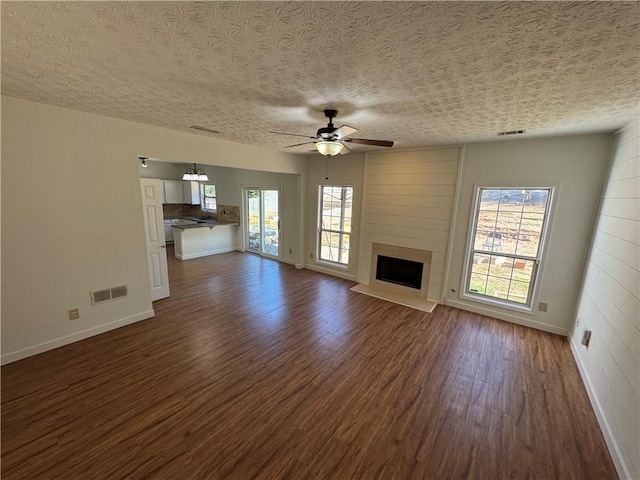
x=204 y=237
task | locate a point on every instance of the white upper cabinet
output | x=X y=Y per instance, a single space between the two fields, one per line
x=173 y=191
x=191 y=191
x=179 y=191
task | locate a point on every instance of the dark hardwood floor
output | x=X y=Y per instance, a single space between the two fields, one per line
x=253 y=369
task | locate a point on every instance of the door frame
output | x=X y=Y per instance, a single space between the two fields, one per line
x=244 y=217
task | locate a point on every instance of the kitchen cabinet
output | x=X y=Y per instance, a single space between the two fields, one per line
x=168 y=233
x=173 y=191
x=170 y=222
x=191 y=192
x=178 y=191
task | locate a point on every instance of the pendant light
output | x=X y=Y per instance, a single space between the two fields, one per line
x=195 y=174
x=329 y=148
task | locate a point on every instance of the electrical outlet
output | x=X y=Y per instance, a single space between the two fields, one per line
x=586 y=337
x=291 y=250
x=74 y=314
x=577 y=321
x=542 y=306
x=311 y=255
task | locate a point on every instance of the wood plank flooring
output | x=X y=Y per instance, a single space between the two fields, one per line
x=253 y=369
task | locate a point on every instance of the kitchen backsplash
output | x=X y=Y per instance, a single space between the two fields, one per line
x=229 y=213
x=172 y=210
x=226 y=213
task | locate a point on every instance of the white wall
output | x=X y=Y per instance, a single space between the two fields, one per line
x=408 y=202
x=609 y=306
x=576 y=166
x=76 y=223
x=342 y=170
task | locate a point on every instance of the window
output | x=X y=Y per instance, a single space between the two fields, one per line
x=336 y=204
x=208 y=192
x=506 y=243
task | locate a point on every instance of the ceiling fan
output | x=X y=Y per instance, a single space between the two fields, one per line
x=331 y=141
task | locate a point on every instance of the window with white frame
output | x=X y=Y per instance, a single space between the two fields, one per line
x=336 y=205
x=208 y=195
x=506 y=243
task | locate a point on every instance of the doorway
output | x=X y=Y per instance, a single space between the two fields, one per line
x=262 y=220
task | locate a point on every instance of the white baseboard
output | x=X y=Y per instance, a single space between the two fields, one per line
x=624 y=472
x=292 y=262
x=206 y=254
x=507 y=317
x=330 y=271
x=74 y=337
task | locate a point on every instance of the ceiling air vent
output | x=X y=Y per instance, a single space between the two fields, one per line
x=203 y=129
x=99 y=296
x=511 y=132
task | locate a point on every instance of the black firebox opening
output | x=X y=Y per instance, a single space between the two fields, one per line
x=399 y=271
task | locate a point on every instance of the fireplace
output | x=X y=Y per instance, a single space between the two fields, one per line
x=399 y=275
x=400 y=269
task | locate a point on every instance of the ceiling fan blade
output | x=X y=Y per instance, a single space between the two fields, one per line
x=343 y=131
x=344 y=150
x=291 y=134
x=364 y=141
x=298 y=144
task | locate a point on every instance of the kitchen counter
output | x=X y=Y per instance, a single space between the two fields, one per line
x=201 y=223
x=203 y=237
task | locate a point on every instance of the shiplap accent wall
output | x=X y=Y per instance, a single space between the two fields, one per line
x=408 y=202
x=609 y=305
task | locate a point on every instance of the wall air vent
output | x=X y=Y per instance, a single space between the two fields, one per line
x=203 y=129
x=119 y=292
x=511 y=132
x=99 y=296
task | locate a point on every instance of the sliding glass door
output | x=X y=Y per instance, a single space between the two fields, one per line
x=262 y=220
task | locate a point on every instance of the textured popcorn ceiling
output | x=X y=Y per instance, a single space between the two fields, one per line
x=418 y=73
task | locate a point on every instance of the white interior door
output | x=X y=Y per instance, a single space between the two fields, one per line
x=154 y=234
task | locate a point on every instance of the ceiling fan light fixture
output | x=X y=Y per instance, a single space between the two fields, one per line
x=329 y=148
x=195 y=174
